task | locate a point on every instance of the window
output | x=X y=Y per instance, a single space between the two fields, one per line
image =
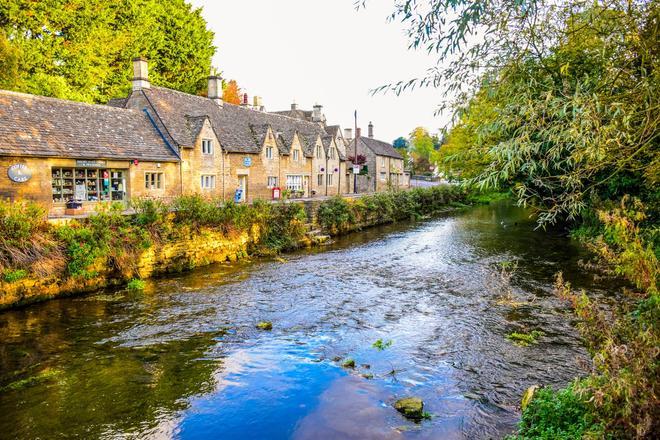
x=153 y=180
x=87 y=184
x=383 y=176
x=319 y=152
x=272 y=181
x=382 y=162
x=294 y=183
x=207 y=146
x=329 y=179
x=319 y=179
x=207 y=181
x=331 y=153
x=296 y=155
x=269 y=153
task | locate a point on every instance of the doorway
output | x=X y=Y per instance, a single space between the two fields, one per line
x=241 y=192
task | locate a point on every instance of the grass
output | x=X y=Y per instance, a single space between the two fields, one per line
x=11 y=276
x=136 y=284
x=525 y=339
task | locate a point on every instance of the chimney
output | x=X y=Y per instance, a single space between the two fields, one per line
x=348 y=134
x=257 y=103
x=245 y=100
x=371 y=130
x=140 y=74
x=215 y=89
x=358 y=133
x=317 y=114
x=294 y=106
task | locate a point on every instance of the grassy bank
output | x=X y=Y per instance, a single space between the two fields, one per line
x=339 y=215
x=39 y=259
x=619 y=398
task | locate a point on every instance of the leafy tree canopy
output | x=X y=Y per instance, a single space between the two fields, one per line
x=82 y=49
x=231 y=93
x=401 y=143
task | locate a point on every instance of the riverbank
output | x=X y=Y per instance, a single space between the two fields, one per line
x=40 y=260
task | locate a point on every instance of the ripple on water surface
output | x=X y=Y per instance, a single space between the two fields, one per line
x=183 y=359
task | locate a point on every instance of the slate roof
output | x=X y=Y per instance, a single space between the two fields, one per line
x=379 y=148
x=332 y=130
x=118 y=102
x=47 y=127
x=239 y=129
x=303 y=115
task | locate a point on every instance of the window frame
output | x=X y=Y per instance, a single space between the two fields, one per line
x=205 y=179
x=269 y=152
x=208 y=148
x=154 y=177
x=271 y=181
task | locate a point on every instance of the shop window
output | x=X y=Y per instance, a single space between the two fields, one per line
x=272 y=181
x=153 y=180
x=87 y=185
x=207 y=181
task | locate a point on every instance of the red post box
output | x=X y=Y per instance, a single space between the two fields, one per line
x=277 y=193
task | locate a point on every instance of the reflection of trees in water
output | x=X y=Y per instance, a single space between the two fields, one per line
x=93 y=389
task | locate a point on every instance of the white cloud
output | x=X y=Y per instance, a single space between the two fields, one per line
x=326 y=52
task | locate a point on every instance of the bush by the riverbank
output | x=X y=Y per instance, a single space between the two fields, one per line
x=339 y=215
x=39 y=259
x=619 y=399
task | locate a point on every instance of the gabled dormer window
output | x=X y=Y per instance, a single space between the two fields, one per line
x=269 y=152
x=331 y=153
x=296 y=155
x=319 y=152
x=207 y=146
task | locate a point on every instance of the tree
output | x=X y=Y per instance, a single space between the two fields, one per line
x=401 y=143
x=82 y=49
x=422 y=151
x=231 y=93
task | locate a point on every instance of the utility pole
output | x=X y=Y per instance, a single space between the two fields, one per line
x=355 y=158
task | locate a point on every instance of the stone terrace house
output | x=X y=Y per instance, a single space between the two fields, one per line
x=251 y=151
x=384 y=164
x=52 y=150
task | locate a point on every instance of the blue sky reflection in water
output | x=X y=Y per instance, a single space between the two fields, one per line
x=184 y=359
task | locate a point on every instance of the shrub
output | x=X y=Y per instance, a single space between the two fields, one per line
x=11 y=276
x=26 y=240
x=154 y=215
x=335 y=214
x=556 y=415
x=136 y=284
x=283 y=224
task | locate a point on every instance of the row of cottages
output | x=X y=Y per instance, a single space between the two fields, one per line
x=161 y=143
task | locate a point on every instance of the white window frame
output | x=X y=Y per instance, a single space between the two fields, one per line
x=294 y=182
x=296 y=155
x=331 y=153
x=319 y=153
x=329 y=179
x=207 y=181
x=154 y=180
x=319 y=180
x=382 y=162
x=207 y=147
x=269 y=152
x=383 y=176
x=271 y=181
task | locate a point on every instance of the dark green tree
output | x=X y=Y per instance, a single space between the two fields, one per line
x=82 y=49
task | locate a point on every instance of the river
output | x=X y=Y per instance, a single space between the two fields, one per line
x=184 y=359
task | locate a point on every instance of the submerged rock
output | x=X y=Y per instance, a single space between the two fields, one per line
x=348 y=363
x=411 y=408
x=265 y=325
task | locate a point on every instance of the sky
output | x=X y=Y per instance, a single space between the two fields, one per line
x=325 y=52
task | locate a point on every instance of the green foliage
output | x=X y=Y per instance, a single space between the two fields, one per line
x=265 y=325
x=337 y=215
x=282 y=225
x=380 y=345
x=136 y=284
x=82 y=49
x=623 y=341
x=525 y=339
x=11 y=276
x=557 y=415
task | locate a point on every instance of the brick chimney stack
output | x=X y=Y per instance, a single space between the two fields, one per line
x=215 y=90
x=317 y=114
x=371 y=130
x=140 y=74
x=246 y=101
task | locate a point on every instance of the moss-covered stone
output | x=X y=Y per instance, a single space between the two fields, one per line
x=411 y=408
x=265 y=325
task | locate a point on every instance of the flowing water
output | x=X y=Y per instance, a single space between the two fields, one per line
x=183 y=358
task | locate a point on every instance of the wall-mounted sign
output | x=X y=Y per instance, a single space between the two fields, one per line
x=19 y=173
x=91 y=163
x=247 y=161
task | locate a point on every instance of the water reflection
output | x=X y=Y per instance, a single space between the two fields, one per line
x=184 y=360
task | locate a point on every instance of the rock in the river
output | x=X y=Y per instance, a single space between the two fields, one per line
x=265 y=325
x=528 y=395
x=348 y=363
x=410 y=407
